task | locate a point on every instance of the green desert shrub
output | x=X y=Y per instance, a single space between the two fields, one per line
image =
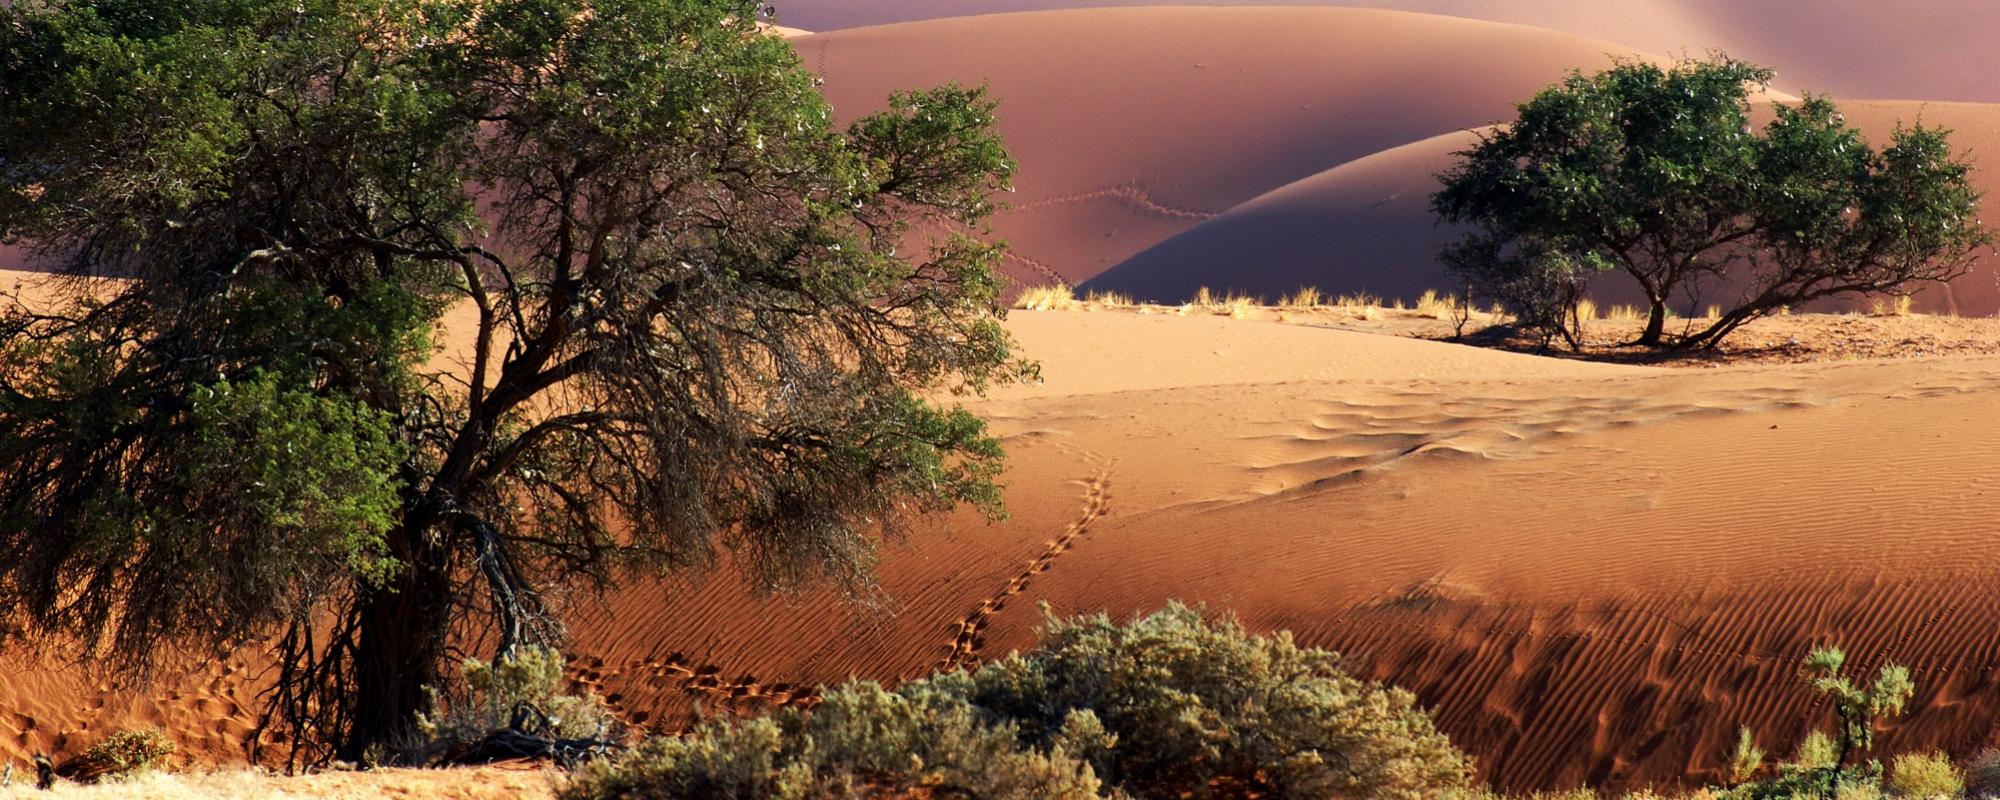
x=862 y=741
x=487 y=697
x=1171 y=705
x=119 y=755
x=1925 y=776
x=1195 y=704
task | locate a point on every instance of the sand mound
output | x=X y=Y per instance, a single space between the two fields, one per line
x=1854 y=48
x=1366 y=226
x=1132 y=125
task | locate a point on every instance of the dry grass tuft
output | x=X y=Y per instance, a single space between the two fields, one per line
x=1305 y=299
x=1237 y=306
x=1586 y=310
x=1108 y=300
x=1047 y=298
x=1899 y=306
x=1435 y=307
x=1625 y=314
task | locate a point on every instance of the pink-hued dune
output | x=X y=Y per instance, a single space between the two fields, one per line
x=1941 y=49
x=1366 y=226
x=1132 y=125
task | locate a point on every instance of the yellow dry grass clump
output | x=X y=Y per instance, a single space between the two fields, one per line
x=1586 y=309
x=1899 y=306
x=1306 y=298
x=1233 y=305
x=1047 y=298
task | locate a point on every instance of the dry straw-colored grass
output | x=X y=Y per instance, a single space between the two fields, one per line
x=1108 y=300
x=1898 y=306
x=1047 y=298
x=1586 y=309
x=1305 y=299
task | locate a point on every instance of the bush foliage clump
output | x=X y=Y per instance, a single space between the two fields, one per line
x=1172 y=705
x=490 y=697
x=119 y=755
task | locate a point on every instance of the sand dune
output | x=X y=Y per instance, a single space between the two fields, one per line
x=1855 y=48
x=1366 y=226
x=1591 y=572
x=1132 y=125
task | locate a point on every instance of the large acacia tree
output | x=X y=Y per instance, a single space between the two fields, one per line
x=1660 y=173
x=695 y=316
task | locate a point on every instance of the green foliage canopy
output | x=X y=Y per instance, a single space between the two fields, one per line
x=1659 y=172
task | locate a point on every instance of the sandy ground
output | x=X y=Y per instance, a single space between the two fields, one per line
x=1592 y=572
x=485 y=783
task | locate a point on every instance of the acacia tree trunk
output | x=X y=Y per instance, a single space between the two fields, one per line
x=1656 y=323
x=402 y=628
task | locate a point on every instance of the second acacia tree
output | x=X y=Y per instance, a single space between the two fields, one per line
x=1660 y=173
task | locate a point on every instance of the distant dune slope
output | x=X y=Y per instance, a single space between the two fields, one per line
x=1132 y=125
x=1858 y=48
x=1366 y=226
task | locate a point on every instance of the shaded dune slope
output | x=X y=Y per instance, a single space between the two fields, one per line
x=1855 y=48
x=1132 y=125
x=1366 y=226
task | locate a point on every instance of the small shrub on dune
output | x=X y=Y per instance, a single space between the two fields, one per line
x=1925 y=776
x=1199 y=706
x=1172 y=705
x=862 y=741
x=118 y=756
x=489 y=697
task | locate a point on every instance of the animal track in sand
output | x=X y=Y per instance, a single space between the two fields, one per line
x=1131 y=194
x=695 y=680
x=966 y=639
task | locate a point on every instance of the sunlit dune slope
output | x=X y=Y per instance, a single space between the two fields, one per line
x=1366 y=226
x=1132 y=125
x=1859 y=48
x=1590 y=572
